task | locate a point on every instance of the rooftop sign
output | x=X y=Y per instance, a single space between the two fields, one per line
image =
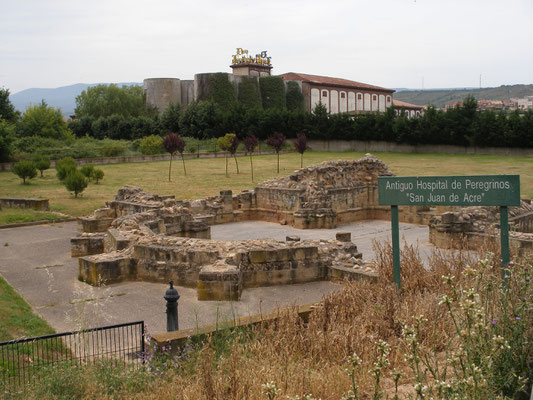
x=242 y=57
x=478 y=190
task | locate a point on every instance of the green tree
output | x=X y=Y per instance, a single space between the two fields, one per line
x=7 y=109
x=105 y=100
x=97 y=175
x=75 y=182
x=41 y=162
x=6 y=140
x=64 y=167
x=276 y=141
x=250 y=143
x=300 y=144
x=221 y=90
x=44 y=121
x=229 y=143
x=152 y=144
x=25 y=170
x=170 y=119
x=87 y=170
x=173 y=143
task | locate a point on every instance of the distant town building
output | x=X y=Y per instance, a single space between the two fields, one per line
x=525 y=103
x=338 y=95
x=341 y=95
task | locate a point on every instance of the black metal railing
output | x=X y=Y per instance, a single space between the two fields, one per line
x=22 y=359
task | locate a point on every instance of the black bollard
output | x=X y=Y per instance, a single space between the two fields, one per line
x=172 y=296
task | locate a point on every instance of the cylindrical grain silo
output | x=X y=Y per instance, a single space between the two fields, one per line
x=160 y=92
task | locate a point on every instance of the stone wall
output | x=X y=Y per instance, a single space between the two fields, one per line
x=36 y=204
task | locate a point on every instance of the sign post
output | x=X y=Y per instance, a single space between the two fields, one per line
x=477 y=190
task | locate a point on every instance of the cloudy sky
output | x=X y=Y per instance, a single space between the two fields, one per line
x=391 y=43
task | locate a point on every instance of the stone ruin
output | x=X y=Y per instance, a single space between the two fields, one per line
x=142 y=236
x=471 y=227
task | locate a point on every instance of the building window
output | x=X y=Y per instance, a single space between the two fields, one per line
x=324 y=93
x=374 y=98
x=359 y=96
x=343 y=95
x=388 y=99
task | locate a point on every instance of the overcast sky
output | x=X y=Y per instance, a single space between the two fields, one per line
x=390 y=43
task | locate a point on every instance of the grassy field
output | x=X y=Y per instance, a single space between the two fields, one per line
x=206 y=177
x=16 y=215
x=16 y=318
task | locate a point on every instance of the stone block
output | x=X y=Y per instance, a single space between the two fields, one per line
x=292 y=238
x=304 y=253
x=220 y=282
x=92 y=225
x=98 y=271
x=448 y=218
x=343 y=236
x=86 y=246
x=117 y=240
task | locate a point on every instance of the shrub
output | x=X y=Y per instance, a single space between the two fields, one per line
x=152 y=144
x=113 y=148
x=172 y=144
x=25 y=170
x=6 y=141
x=97 y=175
x=41 y=162
x=87 y=170
x=64 y=167
x=75 y=182
x=250 y=143
x=249 y=93
x=221 y=90
x=300 y=143
x=294 y=97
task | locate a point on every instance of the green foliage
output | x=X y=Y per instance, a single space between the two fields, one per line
x=61 y=381
x=170 y=119
x=294 y=97
x=6 y=141
x=41 y=162
x=272 y=92
x=75 y=182
x=249 y=92
x=87 y=170
x=65 y=167
x=7 y=109
x=25 y=170
x=43 y=121
x=97 y=175
x=106 y=100
x=113 y=148
x=152 y=144
x=201 y=120
x=221 y=90
x=229 y=142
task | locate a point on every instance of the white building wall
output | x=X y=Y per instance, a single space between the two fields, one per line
x=315 y=98
x=381 y=103
x=351 y=101
x=359 y=101
x=334 y=102
x=324 y=98
x=367 y=105
x=343 y=102
x=375 y=106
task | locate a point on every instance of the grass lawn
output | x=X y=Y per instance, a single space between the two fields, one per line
x=16 y=317
x=17 y=215
x=206 y=177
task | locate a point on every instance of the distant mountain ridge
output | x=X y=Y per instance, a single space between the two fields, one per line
x=439 y=97
x=63 y=97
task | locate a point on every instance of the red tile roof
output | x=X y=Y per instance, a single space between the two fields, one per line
x=327 y=81
x=398 y=103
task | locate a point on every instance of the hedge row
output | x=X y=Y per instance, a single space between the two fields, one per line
x=463 y=125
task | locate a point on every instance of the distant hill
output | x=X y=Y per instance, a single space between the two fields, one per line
x=439 y=97
x=63 y=97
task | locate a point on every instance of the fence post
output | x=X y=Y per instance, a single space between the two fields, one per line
x=172 y=297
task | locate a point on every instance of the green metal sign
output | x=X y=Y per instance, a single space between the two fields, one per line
x=479 y=190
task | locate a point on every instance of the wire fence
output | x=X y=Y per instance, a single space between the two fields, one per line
x=22 y=359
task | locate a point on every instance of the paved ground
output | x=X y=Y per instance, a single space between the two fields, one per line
x=36 y=261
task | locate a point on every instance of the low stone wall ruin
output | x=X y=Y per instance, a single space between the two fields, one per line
x=36 y=204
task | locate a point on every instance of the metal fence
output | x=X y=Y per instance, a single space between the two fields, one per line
x=22 y=359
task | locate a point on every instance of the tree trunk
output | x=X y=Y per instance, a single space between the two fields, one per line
x=252 y=166
x=236 y=163
x=302 y=160
x=184 y=170
x=278 y=162
x=226 y=162
x=169 y=167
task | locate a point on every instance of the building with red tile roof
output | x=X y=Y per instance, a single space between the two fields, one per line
x=341 y=95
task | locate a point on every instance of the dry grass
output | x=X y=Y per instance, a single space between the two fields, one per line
x=206 y=177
